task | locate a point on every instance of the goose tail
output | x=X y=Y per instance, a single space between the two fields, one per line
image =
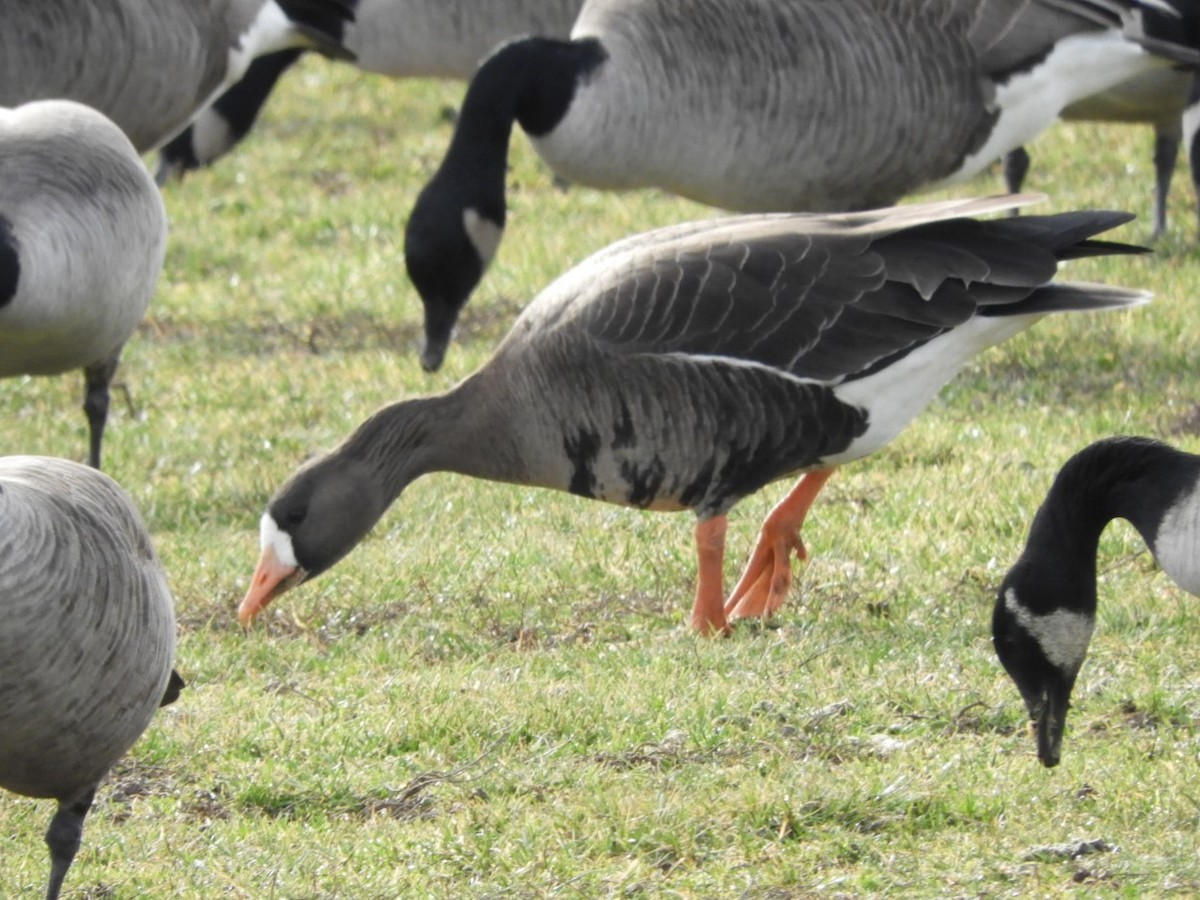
x=323 y=22
x=1167 y=28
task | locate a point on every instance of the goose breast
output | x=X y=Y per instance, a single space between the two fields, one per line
x=87 y=627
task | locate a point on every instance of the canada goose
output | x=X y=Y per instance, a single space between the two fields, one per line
x=150 y=65
x=1168 y=100
x=688 y=367
x=82 y=238
x=87 y=638
x=398 y=38
x=1046 y=605
x=834 y=106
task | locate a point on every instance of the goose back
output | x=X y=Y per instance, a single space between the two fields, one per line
x=87 y=628
x=86 y=232
x=148 y=65
x=446 y=38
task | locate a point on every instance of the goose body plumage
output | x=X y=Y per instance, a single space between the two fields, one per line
x=150 y=65
x=1046 y=605
x=87 y=637
x=766 y=105
x=1168 y=100
x=82 y=237
x=688 y=367
x=397 y=38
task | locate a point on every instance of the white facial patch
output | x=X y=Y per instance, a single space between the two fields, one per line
x=483 y=233
x=270 y=535
x=1063 y=635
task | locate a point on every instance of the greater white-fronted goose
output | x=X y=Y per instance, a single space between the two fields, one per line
x=1046 y=605
x=397 y=38
x=1168 y=101
x=688 y=367
x=150 y=65
x=87 y=638
x=82 y=238
x=769 y=105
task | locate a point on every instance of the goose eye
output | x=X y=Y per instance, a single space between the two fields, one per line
x=295 y=516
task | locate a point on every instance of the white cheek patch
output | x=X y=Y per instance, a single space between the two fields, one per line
x=483 y=233
x=270 y=535
x=1063 y=635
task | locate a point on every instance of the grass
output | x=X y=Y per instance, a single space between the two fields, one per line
x=494 y=696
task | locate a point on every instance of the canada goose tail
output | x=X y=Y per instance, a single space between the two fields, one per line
x=323 y=22
x=1168 y=28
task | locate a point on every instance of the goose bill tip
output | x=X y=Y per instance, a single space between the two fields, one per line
x=271 y=578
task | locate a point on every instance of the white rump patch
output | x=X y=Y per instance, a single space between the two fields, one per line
x=271 y=30
x=271 y=535
x=1079 y=66
x=1063 y=635
x=483 y=233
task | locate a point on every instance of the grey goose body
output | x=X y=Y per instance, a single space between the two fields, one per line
x=87 y=637
x=688 y=367
x=1045 y=608
x=397 y=38
x=82 y=238
x=150 y=65
x=766 y=105
x=1167 y=100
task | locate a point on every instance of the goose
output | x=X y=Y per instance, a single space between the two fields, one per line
x=87 y=638
x=767 y=106
x=1168 y=100
x=688 y=367
x=397 y=38
x=1045 y=608
x=150 y=65
x=83 y=233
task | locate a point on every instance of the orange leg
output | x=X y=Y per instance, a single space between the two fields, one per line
x=708 y=612
x=764 y=584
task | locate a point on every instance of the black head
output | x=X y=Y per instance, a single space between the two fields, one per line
x=325 y=510
x=447 y=247
x=1042 y=654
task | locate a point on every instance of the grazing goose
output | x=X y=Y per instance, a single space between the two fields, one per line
x=82 y=237
x=835 y=106
x=150 y=65
x=1168 y=100
x=688 y=367
x=398 y=38
x=1046 y=605
x=87 y=638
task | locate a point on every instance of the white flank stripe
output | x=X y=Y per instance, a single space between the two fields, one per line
x=1078 y=67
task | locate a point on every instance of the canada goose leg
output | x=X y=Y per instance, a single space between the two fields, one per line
x=63 y=838
x=764 y=584
x=708 y=612
x=1166 y=151
x=96 y=379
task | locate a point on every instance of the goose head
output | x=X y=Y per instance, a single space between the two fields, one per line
x=1042 y=653
x=447 y=248
x=314 y=520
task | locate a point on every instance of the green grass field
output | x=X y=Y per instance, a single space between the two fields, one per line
x=495 y=695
